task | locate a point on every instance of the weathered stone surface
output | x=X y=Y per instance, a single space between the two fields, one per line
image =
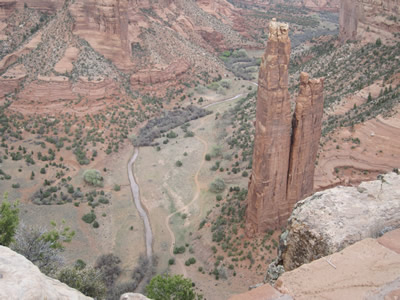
x=21 y=279
x=331 y=220
x=267 y=186
x=264 y=292
x=365 y=270
x=133 y=296
x=306 y=133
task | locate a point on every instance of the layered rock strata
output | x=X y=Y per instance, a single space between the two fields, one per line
x=285 y=148
x=267 y=186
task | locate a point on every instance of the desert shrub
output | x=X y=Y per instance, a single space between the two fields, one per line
x=216 y=151
x=89 y=218
x=190 y=261
x=178 y=163
x=88 y=281
x=208 y=157
x=103 y=200
x=96 y=224
x=179 y=250
x=93 y=177
x=172 y=134
x=108 y=265
x=117 y=187
x=171 y=287
x=217 y=186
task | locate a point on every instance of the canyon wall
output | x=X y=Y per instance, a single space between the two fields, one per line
x=267 y=186
x=285 y=148
x=368 y=15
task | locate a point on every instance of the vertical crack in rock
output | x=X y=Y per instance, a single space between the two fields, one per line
x=306 y=133
x=285 y=148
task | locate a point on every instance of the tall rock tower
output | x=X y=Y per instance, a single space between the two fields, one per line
x=285 y=147
x=306 y=132
x=267 y=187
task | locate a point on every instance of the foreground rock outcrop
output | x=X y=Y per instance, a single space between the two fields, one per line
x=333 y=219
x=369 y=269
x=21 y=279
x=285 y=148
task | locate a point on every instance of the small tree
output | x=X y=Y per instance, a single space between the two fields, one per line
x=8 y=221
x=108 y=264
x=171 y=287
x=217 y=186
x=93 y=177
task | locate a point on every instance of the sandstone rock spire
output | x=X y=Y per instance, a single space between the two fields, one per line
x=306 y=132
x=267 y=186
x=285 y=148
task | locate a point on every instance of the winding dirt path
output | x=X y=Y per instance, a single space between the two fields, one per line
x=195 y=197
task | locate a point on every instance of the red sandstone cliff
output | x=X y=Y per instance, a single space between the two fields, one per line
x=357 y=16
x=267 y=187
x=154 y=43
x=285 y=149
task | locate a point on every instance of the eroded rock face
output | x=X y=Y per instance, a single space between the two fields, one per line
x=331 y=220
x=267 y=186
x=371 y=14
x=285 y=148
x=21 y=279
x=306 y=132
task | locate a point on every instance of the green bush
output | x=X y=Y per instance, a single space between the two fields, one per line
x=179 y=250
x=117 y=187
x=178 y=163
x=89 y=218
x=217 y=186
x=163 y=287
x=93 y=177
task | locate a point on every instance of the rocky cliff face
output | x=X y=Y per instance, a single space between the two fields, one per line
x=118 y=40
x=267 y=186
x=367 y=15
x=285 y=149
x=331 y=220
x=306 y=132
x=21 y=279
